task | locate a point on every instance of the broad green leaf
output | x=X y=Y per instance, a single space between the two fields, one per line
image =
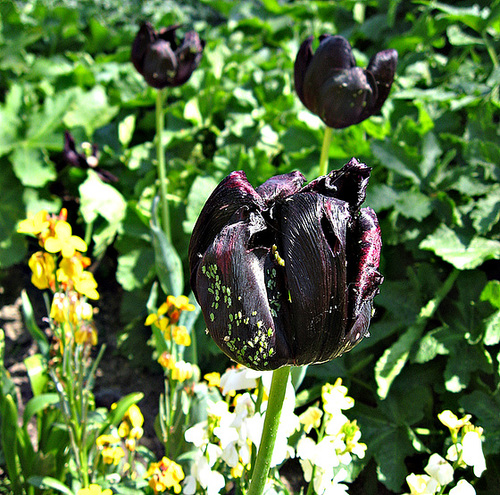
x=444 y=242
x=491 y=293
x=48 y=483
x=167 y=262
x=486 y=213
x=31 y=166
x=90 y=110
x=99 y=198
x=413 y=204
x=10 y=119
x=134 y=266
x=430 y=153
x=388 y=159
x=430 y=346
x=492 y=329
x=200 y=191
x=38 y=404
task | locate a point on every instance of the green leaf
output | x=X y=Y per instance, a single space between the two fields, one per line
x=414 y=204
x=10 y=119
x=31 y=325
x=48 y=483
x=38 y=404
x=486 y=213
x=167 y=261
x=388 y=159
x=444 y=242
x=31 y=166
x=200 y=191
x=99 y=198
x=37 y=371
x=491 y=293
x=492 y=329
x=90 y=110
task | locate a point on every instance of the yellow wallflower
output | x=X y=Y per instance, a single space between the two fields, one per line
x=131 y=426
x=94 y=489
x=213 y=379
x=110 y=451
x=86 y=334
x=69 y=269
x=180 y=302
x=59 y=310
x=165 y=474
x=43 y=266
x=64 y=241
x=182 y=371
x=86 y=285
x=135 y=416
x=181 y=336
x=35 y=224
x=237 y=471
x=166 y=360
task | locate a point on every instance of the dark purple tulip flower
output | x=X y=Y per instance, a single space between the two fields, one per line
x=331 y=86
x=162 y=59
x=81 y=160
x=285 y=274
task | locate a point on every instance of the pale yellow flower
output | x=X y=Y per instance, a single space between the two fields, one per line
x=64 y=241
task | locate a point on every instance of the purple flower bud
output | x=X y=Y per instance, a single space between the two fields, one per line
x=331 y=86
x=162 y=59
x=286 y=274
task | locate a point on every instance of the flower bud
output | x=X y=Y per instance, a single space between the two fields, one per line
x=331 y=86
x=285 y=274
x=162 y=59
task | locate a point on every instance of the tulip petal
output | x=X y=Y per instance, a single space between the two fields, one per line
x=160 y=64
x=232 y=287
x=383 y=67
x=189 y=57
x=281 y=186
x=302 y=61
x=313 y=231
x=233 y=193
x=145 y=37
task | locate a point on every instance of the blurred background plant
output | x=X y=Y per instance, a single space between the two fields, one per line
x=434 y=150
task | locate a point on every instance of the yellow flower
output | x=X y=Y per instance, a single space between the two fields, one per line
x=69 y=269
x=35 y=224
x=180 y=302
x=43 y=266
x=135 y=416
x=86 y=285
x=94 y=489
x=86 y=334
x=64 y=241
x=106 y=440
x=182 y=371
x=166 y=360
x=237 y=471
x=151 y=319
x=165 y=474
x=213 y=379
x=131 y=426
x=310 y=418
x=181 y=336
x=112 y=455
x=59 y=310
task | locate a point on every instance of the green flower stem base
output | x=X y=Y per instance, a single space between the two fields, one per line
x=162 y=169
x=269 y=430
x=325 y=149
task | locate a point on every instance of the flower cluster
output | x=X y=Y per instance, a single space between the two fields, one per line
x=61 y=268
x=166 y=320
x=465 y=450
x=164 y=475
x=325 y=457
x=227 y=441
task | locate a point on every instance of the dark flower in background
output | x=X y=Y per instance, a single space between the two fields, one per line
x=286 y=274
x=331 y=86
x=162 y=59
x=85 y=160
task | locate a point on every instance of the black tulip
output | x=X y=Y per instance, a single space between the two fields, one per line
x=162 y=59
x=331 y=86
x=286 y=274
x=81 y=160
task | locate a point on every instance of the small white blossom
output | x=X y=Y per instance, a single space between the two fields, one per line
x=463 y=487
x=472 y=453
x=439 y=469
x=422 y=484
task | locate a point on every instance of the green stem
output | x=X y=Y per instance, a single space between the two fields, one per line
x=162 y=168
x=269 y=430
x=325 y=150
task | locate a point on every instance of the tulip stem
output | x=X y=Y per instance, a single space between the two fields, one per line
x=162 y=168
x=325 y=150
x=269 y=430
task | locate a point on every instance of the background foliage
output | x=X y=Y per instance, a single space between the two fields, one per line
x=435 y=153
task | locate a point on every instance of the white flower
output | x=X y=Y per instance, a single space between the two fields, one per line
x=240 y=379
x=463 y=487
x=422 y=484
x=439 y=469
x=211 y=481
x=472 y=453
x=197 y=434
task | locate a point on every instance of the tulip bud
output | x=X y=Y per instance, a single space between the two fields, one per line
x=162 y=59
x=285 y=274
x=331 y=86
